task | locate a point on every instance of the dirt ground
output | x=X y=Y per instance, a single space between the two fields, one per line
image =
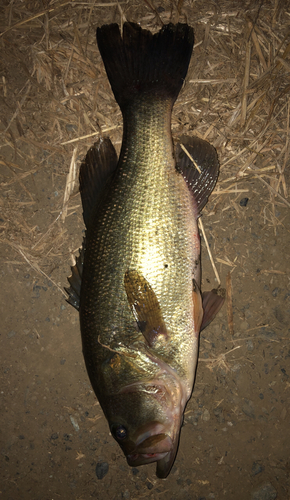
x=54 y=439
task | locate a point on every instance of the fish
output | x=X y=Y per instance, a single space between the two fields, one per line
x=136 y=281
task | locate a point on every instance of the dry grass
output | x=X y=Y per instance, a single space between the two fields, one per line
x=236 y=96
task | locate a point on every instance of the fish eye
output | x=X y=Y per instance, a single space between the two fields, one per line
x=119 y=432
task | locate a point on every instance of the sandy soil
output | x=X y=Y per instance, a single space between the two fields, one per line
x=54 y=439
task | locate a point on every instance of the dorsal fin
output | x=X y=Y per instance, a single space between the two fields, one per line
x=95 y=172
x=202 y=182
x=145 y=306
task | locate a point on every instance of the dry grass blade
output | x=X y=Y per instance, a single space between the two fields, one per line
x=257 y=45
x=273 y=190
x=246 y=83
x=209 y=251
x=29 y=259
x=107 y=129
x=230 y=303
x=36 y=16
x=219 y=362
x=70 y=184
x=190 y=157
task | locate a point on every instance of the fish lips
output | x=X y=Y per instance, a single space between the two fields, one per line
x=158 y=448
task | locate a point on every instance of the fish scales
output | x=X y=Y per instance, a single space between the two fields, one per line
x=146 y=223
x=136 y=281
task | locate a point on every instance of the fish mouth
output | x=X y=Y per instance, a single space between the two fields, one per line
x=157 y=448
x=144 y=458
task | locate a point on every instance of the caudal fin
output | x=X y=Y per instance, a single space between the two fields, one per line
x=142 y=63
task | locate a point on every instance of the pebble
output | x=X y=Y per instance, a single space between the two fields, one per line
x=268 y=334
x=74 y=423
x=265 y=492
x=276 y=292
x=102 y=469
x=250 y=345
x=279 y=314
x=218 y=412
x=244 y=202
x=206 y=415
x=256 y=469
x=11 y=334
x=248 y=409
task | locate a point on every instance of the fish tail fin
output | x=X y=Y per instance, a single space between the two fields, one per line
x=140 y=63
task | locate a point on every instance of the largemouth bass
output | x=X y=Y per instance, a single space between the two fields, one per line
x=136 y=282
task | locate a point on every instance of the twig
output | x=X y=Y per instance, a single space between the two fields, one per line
x=230 y=303
x=190 y=157
x=209 y=252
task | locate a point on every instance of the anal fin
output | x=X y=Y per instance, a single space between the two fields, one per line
x=197 y=307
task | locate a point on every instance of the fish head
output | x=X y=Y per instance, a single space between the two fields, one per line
x=145 y=420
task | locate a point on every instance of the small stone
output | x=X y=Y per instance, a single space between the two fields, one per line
x=248 y=409
x=149 y=485
x=218 y=412
x=62 y=361
x=256 y=469
x=250 y=345
x=205 y=415
x=54 y=436
x=267 y=334
x=135 y=471
x=126 y=494
x=276 y=292
x=265 y=492
x=244 y=202
x=279 y=314
x=261 y=395
x=102 y=469
x=11 y=334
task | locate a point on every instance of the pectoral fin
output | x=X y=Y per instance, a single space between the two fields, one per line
x=212 y=302
x=145 y=306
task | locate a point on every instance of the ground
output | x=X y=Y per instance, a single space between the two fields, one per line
x=54 y=438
